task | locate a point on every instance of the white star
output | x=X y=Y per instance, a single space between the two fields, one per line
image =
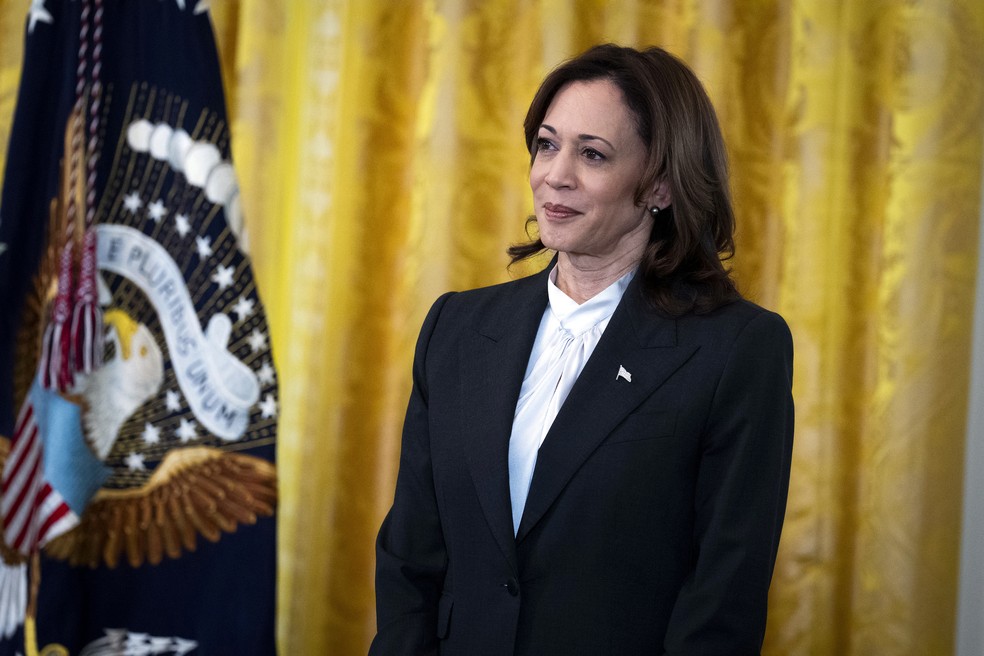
x=268 y=407
x=186 y=431
x=151 y=434
x=181 y=4
x=135 y=461
x=173 y=401
x=265 y=374
x=132 y=202
x=223 y=276
x=157 y=211
x=204 y=246
x=257 y=341
x=243 y=307
x=37 y=13
x=182 y=225
x=202 y=7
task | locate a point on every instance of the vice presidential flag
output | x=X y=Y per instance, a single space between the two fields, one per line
x=138 y=396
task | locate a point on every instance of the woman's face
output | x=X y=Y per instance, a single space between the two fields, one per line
x=589 y=160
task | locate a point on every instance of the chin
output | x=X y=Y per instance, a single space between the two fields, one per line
x=554 y=245
x=552 y=241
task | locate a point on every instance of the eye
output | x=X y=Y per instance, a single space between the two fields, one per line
x=592 y=154
x=543 y=144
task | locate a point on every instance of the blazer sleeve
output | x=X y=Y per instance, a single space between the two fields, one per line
x=411 y=557
x=740 y=500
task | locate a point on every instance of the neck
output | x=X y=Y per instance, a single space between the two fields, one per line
x=583 y=277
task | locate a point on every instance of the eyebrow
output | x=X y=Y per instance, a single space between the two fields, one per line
x=582 y=137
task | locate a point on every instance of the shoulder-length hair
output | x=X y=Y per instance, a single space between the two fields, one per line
x=682 y=268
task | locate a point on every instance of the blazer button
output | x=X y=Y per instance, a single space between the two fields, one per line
x=512 y=585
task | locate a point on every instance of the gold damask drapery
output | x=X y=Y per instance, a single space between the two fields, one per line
x=380 y=152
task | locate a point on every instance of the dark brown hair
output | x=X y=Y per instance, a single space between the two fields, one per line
x=682 y=267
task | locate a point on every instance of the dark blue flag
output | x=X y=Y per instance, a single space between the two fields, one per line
x=138 y=397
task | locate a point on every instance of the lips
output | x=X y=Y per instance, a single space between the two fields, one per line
x=559 y=211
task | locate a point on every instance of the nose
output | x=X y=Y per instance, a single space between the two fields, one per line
x=560 y=172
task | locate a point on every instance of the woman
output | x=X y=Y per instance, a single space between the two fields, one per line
x=596 y=458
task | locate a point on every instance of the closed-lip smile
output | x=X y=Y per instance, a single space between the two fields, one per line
x=559 y=211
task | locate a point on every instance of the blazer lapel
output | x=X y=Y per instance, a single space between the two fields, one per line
x=493 y=361
x=637 y=340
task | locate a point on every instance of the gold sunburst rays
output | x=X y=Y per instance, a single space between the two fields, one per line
x=195 y=491
x=44 y=285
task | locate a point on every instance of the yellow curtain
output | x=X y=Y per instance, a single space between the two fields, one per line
x=380 y=151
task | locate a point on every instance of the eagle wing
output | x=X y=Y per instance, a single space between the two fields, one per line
x=199 y=490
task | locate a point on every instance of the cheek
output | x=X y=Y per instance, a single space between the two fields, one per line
x=622 y=198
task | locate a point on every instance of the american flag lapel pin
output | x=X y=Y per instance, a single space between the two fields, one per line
x=622 y=373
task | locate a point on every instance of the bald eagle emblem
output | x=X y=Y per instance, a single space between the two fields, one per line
x=183 y=413
x=124 y=383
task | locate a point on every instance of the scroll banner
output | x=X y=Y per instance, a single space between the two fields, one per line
x=219 y=388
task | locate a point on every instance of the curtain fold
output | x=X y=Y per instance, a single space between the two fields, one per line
x=380 y=152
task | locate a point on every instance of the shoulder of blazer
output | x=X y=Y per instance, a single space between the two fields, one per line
x=727 y=321
x=493 y=309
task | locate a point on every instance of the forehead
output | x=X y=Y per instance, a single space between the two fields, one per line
x=594 y=107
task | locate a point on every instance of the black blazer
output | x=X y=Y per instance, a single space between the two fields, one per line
x=654 y=513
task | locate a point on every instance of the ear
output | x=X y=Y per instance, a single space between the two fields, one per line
x=661 y=196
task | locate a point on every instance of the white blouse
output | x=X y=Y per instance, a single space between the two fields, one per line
x=566 y=338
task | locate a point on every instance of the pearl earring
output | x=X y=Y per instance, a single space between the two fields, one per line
x=654 y=210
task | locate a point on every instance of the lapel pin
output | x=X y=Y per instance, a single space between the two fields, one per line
x=622 y=373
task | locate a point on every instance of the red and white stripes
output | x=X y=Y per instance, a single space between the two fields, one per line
x=33 y=512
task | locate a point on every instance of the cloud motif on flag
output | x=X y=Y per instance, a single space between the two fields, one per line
x=200 y=161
